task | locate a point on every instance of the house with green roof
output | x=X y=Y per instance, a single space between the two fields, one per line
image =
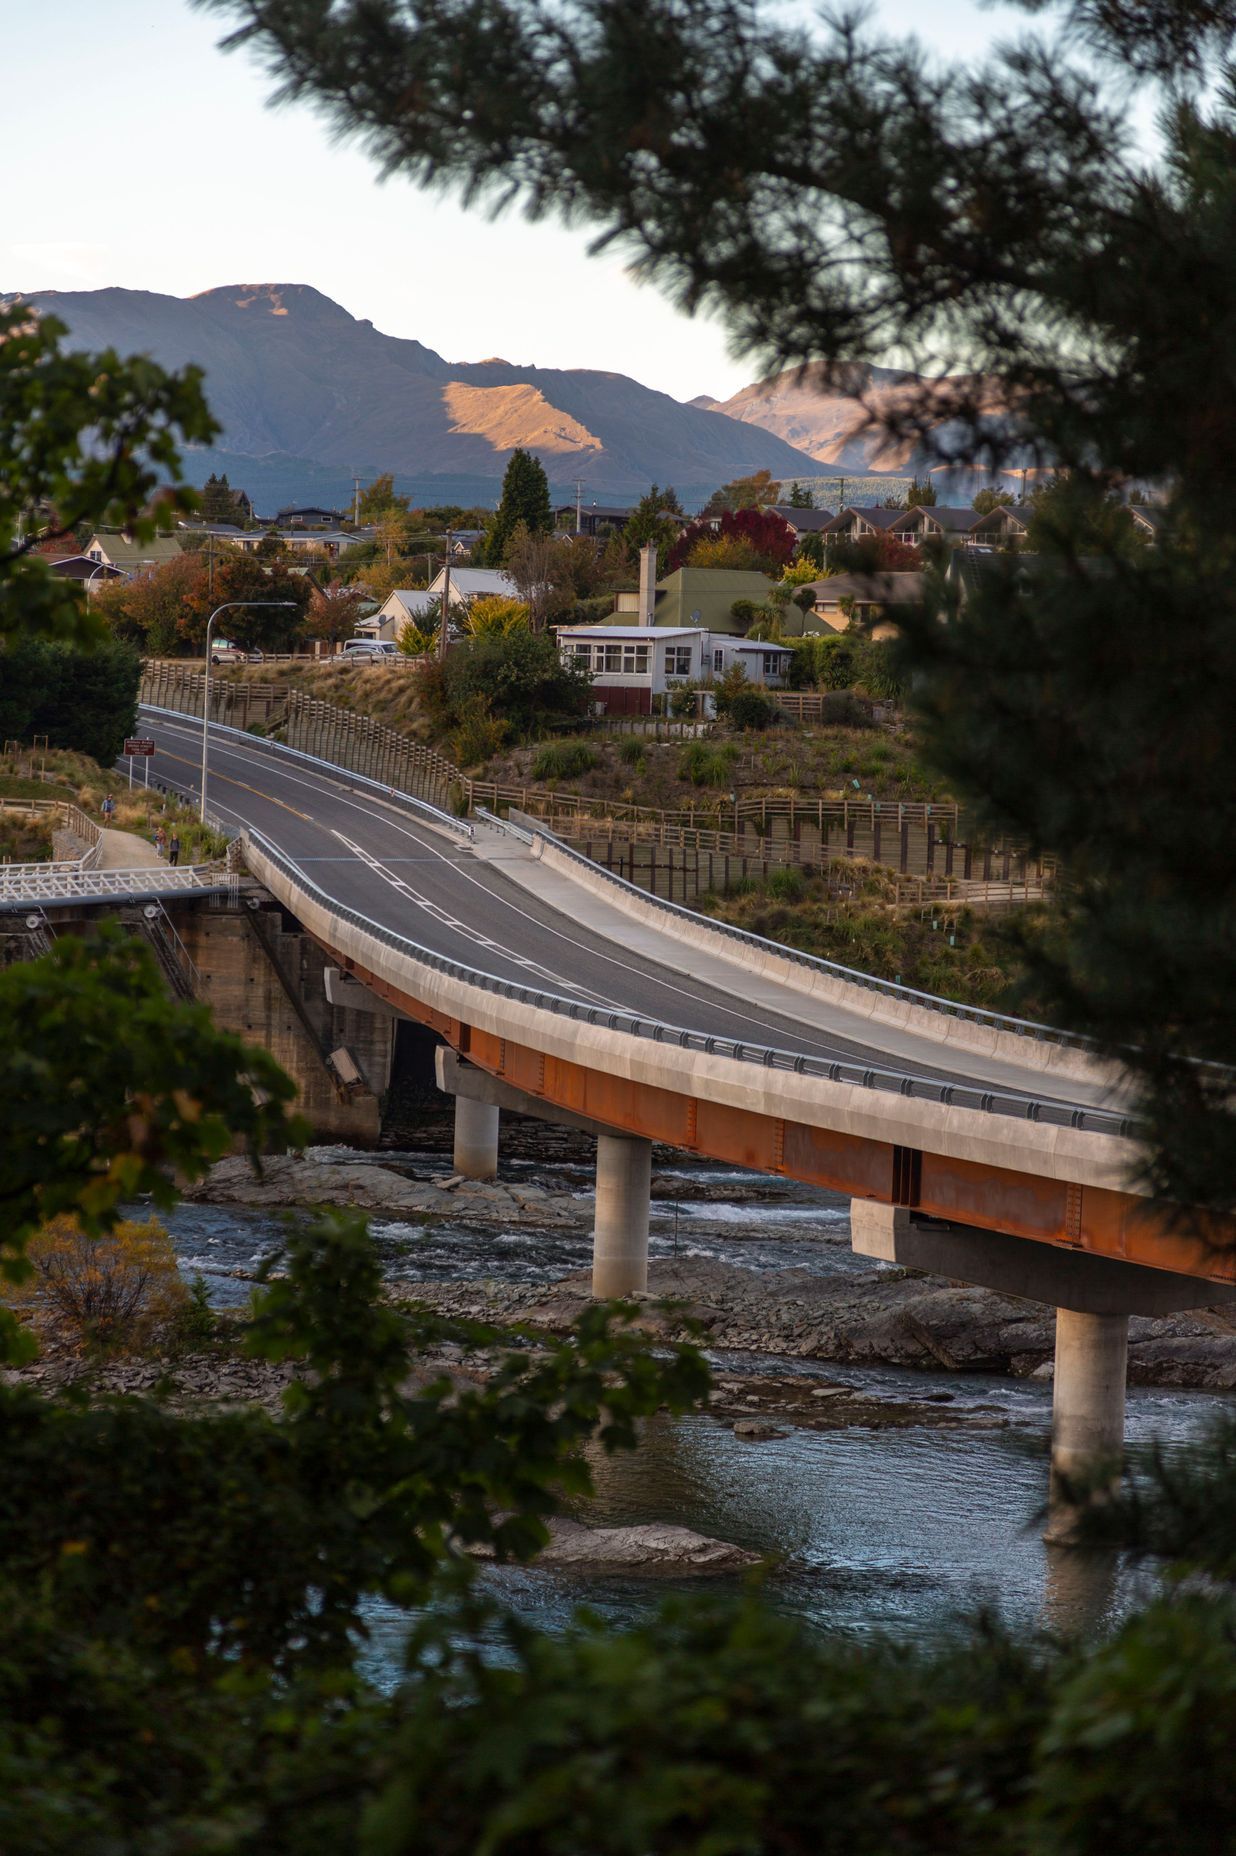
x=129 y=556
x=701 y=597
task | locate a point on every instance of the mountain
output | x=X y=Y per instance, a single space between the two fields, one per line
x=308 y=395
x=826 y=419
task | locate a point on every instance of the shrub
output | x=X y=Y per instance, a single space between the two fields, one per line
x=632 y=752
x=786 y=885
x=520 y=676
x=479 y=734
x=564 y=760
x=704 y=765
x=749 y=708
x=118 y=1292
x=682 y=702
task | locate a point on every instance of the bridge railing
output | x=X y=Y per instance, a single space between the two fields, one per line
x=77 y=821
x=867 y=1076
x=529 y=829
x=446 y=821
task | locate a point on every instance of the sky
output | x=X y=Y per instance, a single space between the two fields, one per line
x=150 y=160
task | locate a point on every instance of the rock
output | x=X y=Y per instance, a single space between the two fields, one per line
x=752 y=1431
x=651 y=1548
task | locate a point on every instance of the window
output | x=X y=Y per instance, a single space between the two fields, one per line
x=582 y=653
x=772 y=664
x=635 y=660
x=678 y=660
x=610 y=656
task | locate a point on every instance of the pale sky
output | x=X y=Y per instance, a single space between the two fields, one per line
x=139 y=155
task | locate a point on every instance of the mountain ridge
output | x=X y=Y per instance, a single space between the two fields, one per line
x=305 y=390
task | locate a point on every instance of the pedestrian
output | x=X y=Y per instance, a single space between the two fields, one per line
x=109 y=808
x=173 y=850
x=160 y=840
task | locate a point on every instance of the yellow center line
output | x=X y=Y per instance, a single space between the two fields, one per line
x=243 y=784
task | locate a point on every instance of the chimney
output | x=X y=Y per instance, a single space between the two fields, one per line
x=647 y=583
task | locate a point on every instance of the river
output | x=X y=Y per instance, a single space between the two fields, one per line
x=909 y=1530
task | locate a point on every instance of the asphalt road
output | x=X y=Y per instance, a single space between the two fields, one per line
x=381 y=860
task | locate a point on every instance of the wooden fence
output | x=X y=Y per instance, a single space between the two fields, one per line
x=921 y=839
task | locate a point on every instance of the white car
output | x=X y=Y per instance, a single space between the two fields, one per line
x=369 y=650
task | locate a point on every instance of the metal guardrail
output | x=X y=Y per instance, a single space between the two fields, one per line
x=445 y=820
x=868 y=1076
x=975 y=1014
x=80 y=823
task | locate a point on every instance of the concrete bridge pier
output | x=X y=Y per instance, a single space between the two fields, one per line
x=476 y=1138
x=1087 y=1415
x=1093 y=1298
x=620 y=1240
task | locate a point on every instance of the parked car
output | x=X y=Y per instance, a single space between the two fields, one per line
x=221 y=652
x=369 y=650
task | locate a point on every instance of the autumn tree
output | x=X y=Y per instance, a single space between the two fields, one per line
x=333 y=611
x=763 y=539
x=379 y=499
x=757 y=491
x=987 y=500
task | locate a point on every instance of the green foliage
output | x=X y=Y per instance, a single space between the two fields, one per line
x=633 y=752
x=478 y=734
x=565 y=760
x=87 y=439
x=706 y=765
x=84 y=699
x=748 y=708
x=519 y=674
x=987 y=500
x=379 y=499
x=108 y=1091
x=525 y=498
x=657 y=517
x=787 y=884
x=801 y=497
x=921 y=495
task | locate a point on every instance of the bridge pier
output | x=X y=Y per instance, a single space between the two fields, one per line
x=1087 y=1415
x=620 y=1239
x=476 y=1138
x=1093 y=1298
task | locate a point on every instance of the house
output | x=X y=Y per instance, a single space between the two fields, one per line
x=701 y=596
x=129 y=556
x=80 y=567
x=330 y=542
x=1148 y=519
x=310 y=515
x=935 y=522
x=804 y=521
x=411 y=605
x=463 y=540
x=590 y=518
x=853 y=524
x=632 y=664
x=846 y=599
x=1002 y=527
x=469 y=583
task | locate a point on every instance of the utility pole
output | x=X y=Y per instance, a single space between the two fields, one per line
x=579 y=497
x=446 y=598
x=356 y=502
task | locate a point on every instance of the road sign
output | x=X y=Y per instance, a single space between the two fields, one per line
x=138 y=745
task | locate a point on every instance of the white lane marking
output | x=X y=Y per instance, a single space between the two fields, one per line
x=594 y=952
x=456 y=926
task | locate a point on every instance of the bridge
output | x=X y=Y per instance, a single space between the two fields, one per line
x=970 y=1144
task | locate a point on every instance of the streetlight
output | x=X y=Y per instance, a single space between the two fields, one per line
x=228 y=606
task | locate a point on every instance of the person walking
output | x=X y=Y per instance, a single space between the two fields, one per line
x=173 y=850
x=109 y=809
x=160 y=839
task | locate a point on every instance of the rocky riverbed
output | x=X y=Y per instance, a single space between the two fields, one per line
x=832 y=1308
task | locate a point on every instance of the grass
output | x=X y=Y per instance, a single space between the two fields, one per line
x=139 y=810
x=851 y=913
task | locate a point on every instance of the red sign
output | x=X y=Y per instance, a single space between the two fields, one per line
x=138 y=745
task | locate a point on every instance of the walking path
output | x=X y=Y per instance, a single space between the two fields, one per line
x=124 y=850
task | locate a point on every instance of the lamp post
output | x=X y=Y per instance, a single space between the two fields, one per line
x=228 y=606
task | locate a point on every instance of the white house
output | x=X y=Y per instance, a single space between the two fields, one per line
x=404 y=605
x=630 y=664
x=129 y=556
x=469 y=583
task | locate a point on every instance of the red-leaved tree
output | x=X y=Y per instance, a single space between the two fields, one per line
x=767 y=535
